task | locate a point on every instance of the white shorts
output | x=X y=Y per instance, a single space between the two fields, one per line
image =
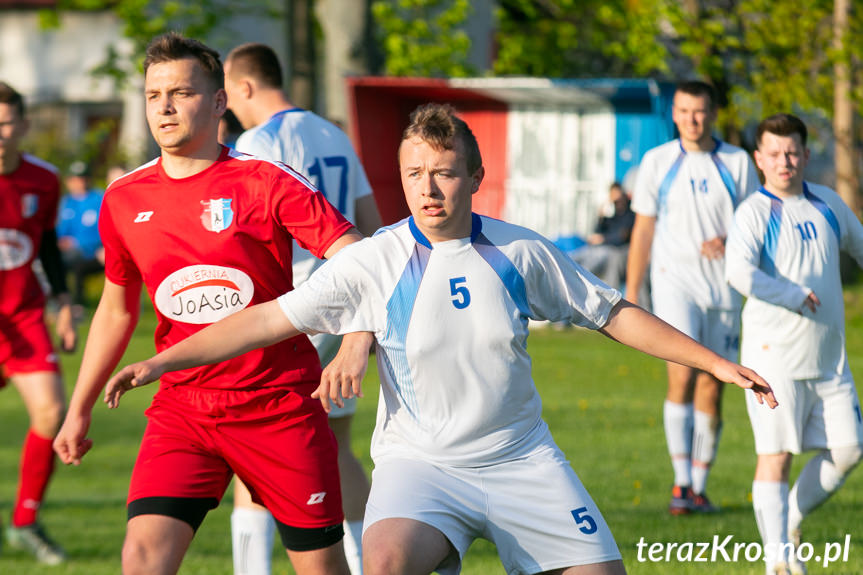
x=327 y=346
x=715 y=329
x=812 y=414
x=535 y=510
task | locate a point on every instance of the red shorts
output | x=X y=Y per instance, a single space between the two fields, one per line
x=276 y=440
x=25 y=346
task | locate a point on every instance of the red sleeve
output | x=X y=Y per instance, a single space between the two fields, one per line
x=52 y=202
x=306 y=214
x=119 y=266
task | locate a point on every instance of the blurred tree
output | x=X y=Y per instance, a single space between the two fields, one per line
x=144 y=19
x=847 y=179
x=424 y=37
x=763 y=56
x=578 y=38
x=302 y=53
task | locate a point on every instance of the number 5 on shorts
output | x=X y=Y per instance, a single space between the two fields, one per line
x=580 y=515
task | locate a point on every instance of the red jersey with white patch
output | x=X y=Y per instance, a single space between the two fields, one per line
x=212 y=244
x=28 y=207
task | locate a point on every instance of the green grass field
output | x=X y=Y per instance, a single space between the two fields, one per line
x=603 y=403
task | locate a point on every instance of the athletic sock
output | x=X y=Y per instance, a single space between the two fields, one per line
x=770 y=503
x=677 y=418
x=353 y=543
x=252 y=533
x=705 y=441
x=816 y=483
x=37 y=466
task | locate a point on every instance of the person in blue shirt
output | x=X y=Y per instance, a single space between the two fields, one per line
x=77 y=229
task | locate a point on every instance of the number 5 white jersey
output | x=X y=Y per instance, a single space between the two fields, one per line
x=451 y=323
x=778 y=252
x=321 y=152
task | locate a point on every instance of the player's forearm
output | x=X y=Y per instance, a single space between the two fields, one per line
x=638 y=329
x=637 y=260
x=252 y=328
x=109 y=336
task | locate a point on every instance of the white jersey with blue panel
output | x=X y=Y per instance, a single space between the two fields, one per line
x=321 y=152
x=451 y=324
x=779 y=251
x=692 y=195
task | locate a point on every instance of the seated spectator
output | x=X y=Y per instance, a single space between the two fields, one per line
x=77 y=229
x=607 y=248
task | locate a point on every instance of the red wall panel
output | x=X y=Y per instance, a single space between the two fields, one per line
x=380 y=111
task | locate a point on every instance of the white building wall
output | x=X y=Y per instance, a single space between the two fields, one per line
x=561 y=163
x=53 y=66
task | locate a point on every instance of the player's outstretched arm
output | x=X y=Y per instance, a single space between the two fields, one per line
x=112 y=326
x=257 y=326
x=343 y=376
x=632 y=326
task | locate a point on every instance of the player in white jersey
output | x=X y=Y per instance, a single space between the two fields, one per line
x=783 y=254
x=318 y=149
x=460 y=448
x=684 y=199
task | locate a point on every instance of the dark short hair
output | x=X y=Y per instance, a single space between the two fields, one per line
x=10 y=96
x=699 y=88
x=173 y=46
x=438 y=125
x=258 y=61
x=781 y=125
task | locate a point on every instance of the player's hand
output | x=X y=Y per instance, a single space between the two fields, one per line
x=747 y=379
x=72 y=443
x=812 y=302
x=343 y=377
x=713 y=249
x=130 y=377
x=66 y=329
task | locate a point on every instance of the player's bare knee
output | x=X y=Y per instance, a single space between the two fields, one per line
x=47 y=418
x=773 y=467
x=846 y=458
x=137 y=558
x=383 y=555
x=384 y=560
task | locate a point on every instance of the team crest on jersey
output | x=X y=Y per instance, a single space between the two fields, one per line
x=203 y=294
x=217 y=215
x=29 y=205
x=16 y=249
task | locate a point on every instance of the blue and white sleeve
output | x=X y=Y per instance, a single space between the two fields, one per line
x=560 y=290
x=340 y=297
x=743 y=264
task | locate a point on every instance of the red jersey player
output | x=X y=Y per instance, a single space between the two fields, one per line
x=29 y=192
x=208 y=231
